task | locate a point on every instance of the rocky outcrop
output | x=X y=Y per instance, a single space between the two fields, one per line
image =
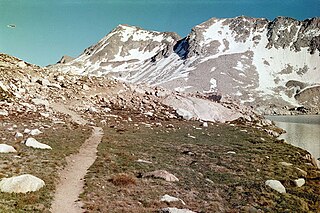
x=286 y=32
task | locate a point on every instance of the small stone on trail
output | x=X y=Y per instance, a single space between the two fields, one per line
x=162 y=174
x=21 y=184
x=31 y=142
x=299 y=182
x=4 y=148
x=276 y=185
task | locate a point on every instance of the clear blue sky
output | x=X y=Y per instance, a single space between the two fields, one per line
x=47 y=29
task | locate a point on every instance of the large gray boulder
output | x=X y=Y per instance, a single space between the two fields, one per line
x=21 y=184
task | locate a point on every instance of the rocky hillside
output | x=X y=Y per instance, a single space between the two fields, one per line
x=26 y=88
x=271 y=65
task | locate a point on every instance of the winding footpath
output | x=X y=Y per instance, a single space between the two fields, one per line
x=66 y=198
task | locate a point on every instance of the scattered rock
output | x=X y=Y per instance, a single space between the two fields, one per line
x=175 y=210
x=231 y=152
x=168 y=198
x=299 y=182
x=21 y=184
x=4 y=148
x=162 y=174
x=143 y=161
x=107 y=109
x=44 y=82
x=184 y=114
x=21 y=64
x=276 y=185
x=27 y=131
x=204 y=124
x=286 y=164
x=46 y=115
x=149 y=114
x=40 y=102
x=18 y=135
x=31 y=142
x=92 y=110
x=302 y=172
x=191 y=136
x=35 y=132
x=4 y=112
x=60 y=78
x=85 y=87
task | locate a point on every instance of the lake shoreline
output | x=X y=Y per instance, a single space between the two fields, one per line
x=302 y=131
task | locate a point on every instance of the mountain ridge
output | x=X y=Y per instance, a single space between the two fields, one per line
x=248 y=59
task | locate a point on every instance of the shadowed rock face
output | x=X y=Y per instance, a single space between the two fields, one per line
x=286 y=32
x=310 y=98
x=248 y=59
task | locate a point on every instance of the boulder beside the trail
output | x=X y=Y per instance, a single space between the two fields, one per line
x=21 y=184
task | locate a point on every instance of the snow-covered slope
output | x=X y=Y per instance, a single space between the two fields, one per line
x=255 y=61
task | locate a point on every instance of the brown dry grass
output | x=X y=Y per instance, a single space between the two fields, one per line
x=210 y=179
x=123 y=180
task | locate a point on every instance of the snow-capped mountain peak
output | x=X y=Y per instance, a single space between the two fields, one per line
x=249 y=59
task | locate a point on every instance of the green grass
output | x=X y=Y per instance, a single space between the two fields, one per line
x=64 y=139
x=210 y=179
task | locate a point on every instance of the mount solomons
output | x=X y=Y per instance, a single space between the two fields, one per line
x=273 y=66
x=74 y=138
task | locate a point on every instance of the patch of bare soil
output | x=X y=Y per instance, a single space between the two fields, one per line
x=71 y=178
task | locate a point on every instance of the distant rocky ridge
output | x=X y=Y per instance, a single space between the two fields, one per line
x=272 y=66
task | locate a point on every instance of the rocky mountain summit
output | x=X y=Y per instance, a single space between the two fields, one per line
x=272 y=66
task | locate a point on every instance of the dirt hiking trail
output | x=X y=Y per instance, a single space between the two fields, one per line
x=72 y=176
